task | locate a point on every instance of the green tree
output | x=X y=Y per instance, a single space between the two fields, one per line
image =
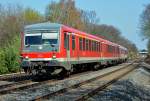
x=145 y=24
x=65 y=12
x=31 y=16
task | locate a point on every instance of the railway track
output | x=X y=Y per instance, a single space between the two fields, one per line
x=15 y=77
x=26 y=84
x=72 y=89
x=33 y=86
x=22 y=85
x=14 y=84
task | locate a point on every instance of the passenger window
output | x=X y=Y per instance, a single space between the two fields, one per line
x=89 y=45
x=80 y=43
x=93 y=46
x=73 y=42
x=99 y=46
x=87 y=42
x=83 y=44
x=66 y=41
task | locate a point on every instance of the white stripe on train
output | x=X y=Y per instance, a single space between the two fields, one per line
x=75 y=59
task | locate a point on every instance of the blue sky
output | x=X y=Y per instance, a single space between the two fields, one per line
x=123 y=14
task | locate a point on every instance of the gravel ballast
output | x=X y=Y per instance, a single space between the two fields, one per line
x=133 y=87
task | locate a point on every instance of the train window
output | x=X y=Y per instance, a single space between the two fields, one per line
x=91 y=45
x=83 y=44
x=65 y=40
x=87 y=44
x=95 y=46
x=73 y=42
x=112 y=49
x=109 y=48
x=80 y=43
x=99 y=46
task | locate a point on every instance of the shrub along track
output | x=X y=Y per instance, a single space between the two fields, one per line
x=94 y=85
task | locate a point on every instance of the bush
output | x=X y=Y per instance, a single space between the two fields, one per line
x=3 y=69
x=9 y=57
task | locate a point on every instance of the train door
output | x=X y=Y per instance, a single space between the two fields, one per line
x=67 y=47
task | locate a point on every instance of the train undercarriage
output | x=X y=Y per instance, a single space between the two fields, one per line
x=63 y=69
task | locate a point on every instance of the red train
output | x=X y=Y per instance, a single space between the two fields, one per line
x=57 y=49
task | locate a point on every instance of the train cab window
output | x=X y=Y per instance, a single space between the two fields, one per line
x=73 y=42
x=83 y=44
x=80 y=43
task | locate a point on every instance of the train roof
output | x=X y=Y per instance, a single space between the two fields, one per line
x=47 y=25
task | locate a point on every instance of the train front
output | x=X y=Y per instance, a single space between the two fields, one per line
x=40 y=48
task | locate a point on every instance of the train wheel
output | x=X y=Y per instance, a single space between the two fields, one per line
x=96 y=67
x=34 y=72
x=72 y=69
x=25 y=70
x=67 y=73
x=64 y=73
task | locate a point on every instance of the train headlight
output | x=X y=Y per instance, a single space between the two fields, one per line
x=26 y=57
x=54 y=56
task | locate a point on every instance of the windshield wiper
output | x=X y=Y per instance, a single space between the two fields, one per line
x=28 y=45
